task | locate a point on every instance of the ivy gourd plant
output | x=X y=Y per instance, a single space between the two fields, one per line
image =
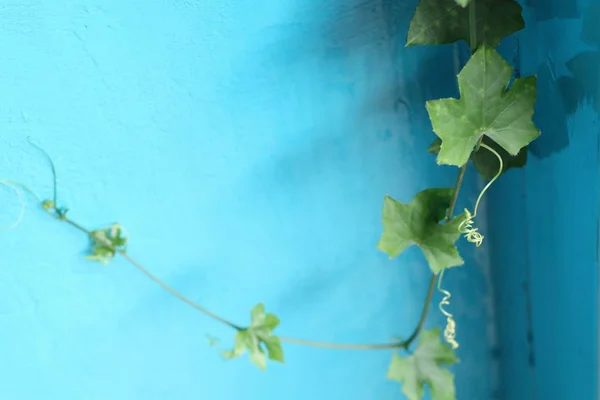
x=419 y=223
x=489 y=125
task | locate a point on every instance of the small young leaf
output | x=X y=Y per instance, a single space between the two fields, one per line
x=105 y=243
x=258 y=357
x=443 y=21
x=419 y=223
x=274 y=348
x=486 y=107
x=259 y=333
x=486 y=163
x=426 y=367
x=263 y=324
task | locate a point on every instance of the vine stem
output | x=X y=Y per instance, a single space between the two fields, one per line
x=427 y=304
x=51 y=208
x=457 y=186
x=310 y=343
x=178 y=294
x=472 y=22
x=455 y=192
x=329 y=345
x=59 y=214
x=159 y=282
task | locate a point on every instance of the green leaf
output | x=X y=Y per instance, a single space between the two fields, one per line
x=486 y=163
x=486 y=107
x=241 y=345
x=426 y=367
x=263 y=324
x=258 y=357
x=274 y=348
x=419 y=223
x=253 y=338
x=447 y=21
x=105 y=243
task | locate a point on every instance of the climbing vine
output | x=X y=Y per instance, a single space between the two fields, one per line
x=489 y=125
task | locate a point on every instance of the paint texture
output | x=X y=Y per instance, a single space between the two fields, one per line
x=247 y=146
x=545 y=265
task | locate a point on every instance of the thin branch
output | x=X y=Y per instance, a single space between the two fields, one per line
x=195 y=305
x=342 y=346
x=56 y=213
x=457 y=186
x=424 y=312
x=156 y=280
x=472 y=27
x=60 y=214
x=178 y=294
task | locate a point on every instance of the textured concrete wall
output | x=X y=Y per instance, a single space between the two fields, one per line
x=246 y=146
x=545 y=217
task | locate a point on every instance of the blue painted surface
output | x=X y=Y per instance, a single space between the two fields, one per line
x=545 y=264
x=246 y=147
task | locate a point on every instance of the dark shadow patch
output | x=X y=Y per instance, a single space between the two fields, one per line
x=550 y=114
x=582 y=86
x=590 y=32
x=430 y=82
x=545 y=10
x=358 y=23
x=561 y=97
x=331 y=31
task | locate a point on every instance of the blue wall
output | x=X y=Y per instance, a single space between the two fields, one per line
x=545 y=250
x=247 y=146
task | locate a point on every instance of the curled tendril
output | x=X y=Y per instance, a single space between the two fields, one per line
x=450 y=330
x=21 y=198
x=471 y=234
x=466 y=227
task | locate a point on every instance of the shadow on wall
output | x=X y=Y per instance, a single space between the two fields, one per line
x=580 y=87
x=371 y=33
x=548 y=9
x=293 y=57
x=429 y=82
x=324 y=35
x=398 y=100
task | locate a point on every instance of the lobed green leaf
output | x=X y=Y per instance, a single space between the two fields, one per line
x=105 y=243
x=418 y=223
x=448 y=21
x=426 y=366
x=257 y=335
x=488 y=106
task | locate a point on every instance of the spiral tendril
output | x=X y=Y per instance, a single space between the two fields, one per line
x=471 y=234
x=450 y=330
x=466 y=227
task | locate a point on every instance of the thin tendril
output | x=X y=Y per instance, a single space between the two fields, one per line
x=471 y=233
x=54 y=185
x=21 y=198
x=450 y=330
x=24 y=188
